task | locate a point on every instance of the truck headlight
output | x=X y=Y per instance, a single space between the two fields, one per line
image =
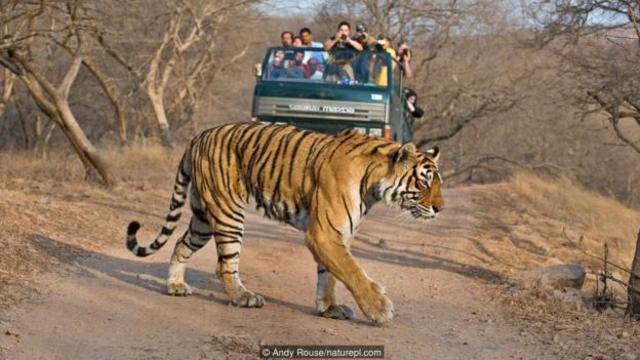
x=361 y=130
x=375 y=132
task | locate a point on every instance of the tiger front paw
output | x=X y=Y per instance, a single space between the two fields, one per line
x=178 y=289
x=376 y=306
x=248 y=299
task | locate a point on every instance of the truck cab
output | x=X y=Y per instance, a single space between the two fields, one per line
x=332 y=91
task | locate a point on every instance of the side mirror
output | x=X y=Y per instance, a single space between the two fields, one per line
x=257 y=70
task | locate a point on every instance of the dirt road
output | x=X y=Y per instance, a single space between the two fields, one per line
x=101 y=302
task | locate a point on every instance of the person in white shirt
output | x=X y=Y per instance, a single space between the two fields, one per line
x=307 y=38
x=307 y=41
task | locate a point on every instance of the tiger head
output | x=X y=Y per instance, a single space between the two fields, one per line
x=414 y=182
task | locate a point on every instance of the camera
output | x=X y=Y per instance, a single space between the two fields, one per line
x=343 y=37
x=380 y=42
x=403 y=50
x=361 y=31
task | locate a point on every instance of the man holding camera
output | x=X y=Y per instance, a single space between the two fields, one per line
x=367 y=42
x=342 y=39
x=404 y=58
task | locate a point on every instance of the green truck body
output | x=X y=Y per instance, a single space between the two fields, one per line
x=336 y=91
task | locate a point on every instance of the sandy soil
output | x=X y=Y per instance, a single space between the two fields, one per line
x=92 y=299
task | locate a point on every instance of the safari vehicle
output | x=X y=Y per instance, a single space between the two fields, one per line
x=331 y=91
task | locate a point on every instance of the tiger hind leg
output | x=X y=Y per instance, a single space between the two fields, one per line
x=326 y=297
x=196 y=237
x=228 y=242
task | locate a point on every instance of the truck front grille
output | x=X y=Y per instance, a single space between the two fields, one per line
x=320 y=109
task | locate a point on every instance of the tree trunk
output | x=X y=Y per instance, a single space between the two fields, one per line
x=633 y=308
x=113 y=97
x=88 y=154
x=7 y=90
x=161 y=116
x=61 y=113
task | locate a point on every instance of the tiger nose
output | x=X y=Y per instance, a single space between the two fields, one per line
x=435 y=209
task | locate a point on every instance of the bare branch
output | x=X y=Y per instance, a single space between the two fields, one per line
x=72 y=71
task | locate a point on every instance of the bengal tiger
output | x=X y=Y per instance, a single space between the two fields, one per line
x=320 y=184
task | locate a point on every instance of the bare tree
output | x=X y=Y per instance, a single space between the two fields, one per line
x=18 y=46
x=107 y=85
x=185 y=60
x=601 y=49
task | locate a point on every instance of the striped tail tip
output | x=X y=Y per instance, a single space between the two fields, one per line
x=133 y=228
x=132 y=242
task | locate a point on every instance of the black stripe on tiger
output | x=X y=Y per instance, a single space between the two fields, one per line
x=346 y=208
x=173 y=218
x=188 y=243
x=228 y=233
x=224 y=258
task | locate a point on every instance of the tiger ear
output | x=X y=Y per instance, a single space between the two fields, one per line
x=405 y=151
x=434 y=153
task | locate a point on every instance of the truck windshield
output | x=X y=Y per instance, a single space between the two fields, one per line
x=344 y=67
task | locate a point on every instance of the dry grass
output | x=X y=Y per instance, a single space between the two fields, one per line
x=564 y=200
x=596 y=217
x=133 y=163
